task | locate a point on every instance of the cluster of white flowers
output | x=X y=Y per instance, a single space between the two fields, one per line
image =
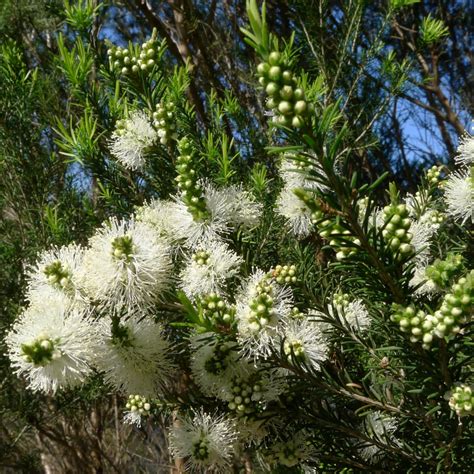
x=459 y=187
x=295 y=173
x=52 y=345
x=126 y=265
x=380 y=428
x=132 y=139
x=106 y=307
x=206 y=441
x=262 y=307
x=208 y=268
x=89 y=311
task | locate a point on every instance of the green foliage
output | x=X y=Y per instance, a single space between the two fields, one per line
x=432 y=30
x=396 y=4
x=80 y=15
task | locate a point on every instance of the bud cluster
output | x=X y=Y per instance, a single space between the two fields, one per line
x=128 y=60
x=442 y=272
x=339 y=238
x=397 y=225
x=163 y=121
x=245 y=398
x=140 y=405
x=200 y=449
x=462 y=400
x=341 y=299
x=188 y=183
x=201 y=257
x=122 y=248
x=456 y=307
x=217 y=363
x=285 y=98
x=216 y=310
x=262 y=312
x=433 y=175
x=415 y=322
x=121 y=127
x=294 y=350
x=40 y=352
x=289 y=453
x=57 y=274
x=437 y=217
x=296 y=313
x=284 y=274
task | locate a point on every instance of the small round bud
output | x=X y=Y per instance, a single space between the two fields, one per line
x=301 y=107
x=263 y=68
x=274 y=73
x=274 y=58
x=285 y=107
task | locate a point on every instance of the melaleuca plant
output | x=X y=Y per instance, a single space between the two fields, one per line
x=309 y=322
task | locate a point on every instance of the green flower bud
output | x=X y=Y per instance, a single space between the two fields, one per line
x=263 y=69
x=301 y=107
x=285 y=107
x=272 y=88
x=274 y=58
x=274 y=73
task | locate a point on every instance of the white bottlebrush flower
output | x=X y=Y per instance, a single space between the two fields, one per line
x=419 y=279
x=295 y=211
x=381 y=428
x=465 y=151
x=208 y=269
x=253 y=430
x=293 y=451
x=261 y=307
x=131 y=141
x=246 y=212
x=353 y=314
x=133 y=354
x=138 y=409
x=160 y=215
x=205 y=441
x=303 y=342
x=459 y=195
x=53 y=345
x=296 y=174
x=126 y=265
x=217 y=224
x=214 y=363
x=423 y=230
x=55 y=275
x=249 y=392
x=228 y=208
x=357 y=316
